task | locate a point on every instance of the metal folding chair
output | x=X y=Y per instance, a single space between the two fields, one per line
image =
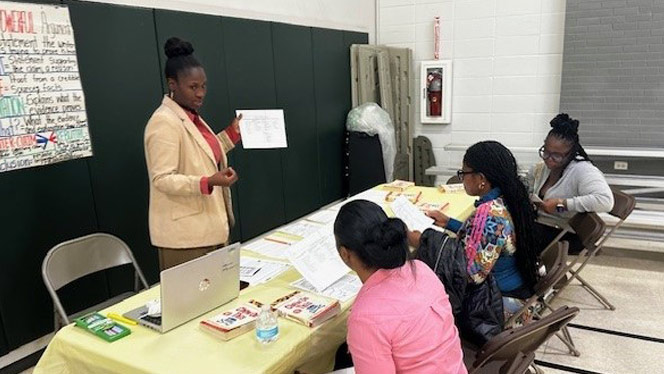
x=506 y=351
x=76 y=258
x=592 y=231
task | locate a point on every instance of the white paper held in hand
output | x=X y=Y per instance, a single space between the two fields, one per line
x=263 y=129
x=317 y=259
x=410 y=215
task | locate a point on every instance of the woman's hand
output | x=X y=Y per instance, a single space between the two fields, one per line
x=225 y=178
x=550 y=205
x=414 y=238
x=439 y=218
x=235 y=123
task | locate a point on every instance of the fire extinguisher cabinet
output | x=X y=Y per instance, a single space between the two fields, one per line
x=436 y=87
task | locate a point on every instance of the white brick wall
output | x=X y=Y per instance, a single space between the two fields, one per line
x=507 y=59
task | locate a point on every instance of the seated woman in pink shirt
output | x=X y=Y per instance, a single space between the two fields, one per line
x=401 y=321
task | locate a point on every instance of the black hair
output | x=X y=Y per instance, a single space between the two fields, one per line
x=566 y=128
x=180 y=57
x=364 y=228
x=500 y=168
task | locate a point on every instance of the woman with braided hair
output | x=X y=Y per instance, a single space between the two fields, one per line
x=499 y=236
x=566 y=181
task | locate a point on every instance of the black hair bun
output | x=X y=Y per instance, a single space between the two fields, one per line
x=175 y=47
x=390 y=233
x=564 y=124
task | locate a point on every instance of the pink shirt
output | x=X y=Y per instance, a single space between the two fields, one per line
x=402 y=322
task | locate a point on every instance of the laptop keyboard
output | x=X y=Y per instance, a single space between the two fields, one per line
x=153 y=320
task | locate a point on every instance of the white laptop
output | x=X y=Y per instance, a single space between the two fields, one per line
x=194 y=288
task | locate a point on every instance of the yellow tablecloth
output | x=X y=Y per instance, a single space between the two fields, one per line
x=187 y=349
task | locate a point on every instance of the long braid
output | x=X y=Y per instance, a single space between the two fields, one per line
x=500 y=168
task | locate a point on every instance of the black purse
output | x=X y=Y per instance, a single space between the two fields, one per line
x=482 y=315
x=477 y=308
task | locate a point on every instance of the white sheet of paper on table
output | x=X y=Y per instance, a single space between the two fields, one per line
x=301 y=228
x=411 y=215
x=375 y=196
x=343 y=290
x=256 y=271
x=263 y=129
x=324 y=216
x=268 y=248
x=317 y=259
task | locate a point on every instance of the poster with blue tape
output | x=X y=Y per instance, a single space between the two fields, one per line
x=42 y=106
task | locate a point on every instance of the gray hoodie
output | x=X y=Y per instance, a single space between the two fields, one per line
x=582 y=185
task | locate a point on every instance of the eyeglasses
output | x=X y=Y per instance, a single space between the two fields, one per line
x=554 y=156
x=460 y=173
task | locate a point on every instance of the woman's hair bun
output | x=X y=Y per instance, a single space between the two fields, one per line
x=390 y=233
x=176 y=47
x=564 y=124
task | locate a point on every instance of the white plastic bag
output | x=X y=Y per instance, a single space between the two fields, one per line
x=370 y=118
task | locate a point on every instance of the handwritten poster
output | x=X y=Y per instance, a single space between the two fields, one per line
x=42 y=108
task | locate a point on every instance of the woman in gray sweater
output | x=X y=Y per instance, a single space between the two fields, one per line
x=567 y=182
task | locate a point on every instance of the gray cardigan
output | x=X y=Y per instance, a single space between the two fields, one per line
x=582 y=185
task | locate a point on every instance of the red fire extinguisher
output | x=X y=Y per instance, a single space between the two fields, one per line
x=435 y=93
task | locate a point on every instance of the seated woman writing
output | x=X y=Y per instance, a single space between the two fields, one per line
x=498 y=238
x=566 y=182
x=401 y=321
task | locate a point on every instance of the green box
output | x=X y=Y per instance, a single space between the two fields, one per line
x=101 y=326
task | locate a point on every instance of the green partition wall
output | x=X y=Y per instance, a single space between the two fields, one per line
x=250 y=65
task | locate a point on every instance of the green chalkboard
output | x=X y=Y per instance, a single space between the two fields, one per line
x=250 y=65
x=41 y=207
x=351 y=38
x=119 y=69
x=11 y=242
x=332 y=81
x=250 y=76
x=4 y=347
x=294 y=76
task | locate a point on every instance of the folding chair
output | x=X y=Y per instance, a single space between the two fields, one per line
x=76 y=258
x=506 y=350
x=594 y=236
x=555 y=263
x=521 y=364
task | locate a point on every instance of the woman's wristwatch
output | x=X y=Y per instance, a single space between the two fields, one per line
x=561 y=207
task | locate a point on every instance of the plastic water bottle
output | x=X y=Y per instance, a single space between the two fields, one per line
x=267 y=328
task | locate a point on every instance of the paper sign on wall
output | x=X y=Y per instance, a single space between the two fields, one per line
x=42 y=107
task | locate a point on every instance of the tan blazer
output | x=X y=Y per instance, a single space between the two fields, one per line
x=177 y=156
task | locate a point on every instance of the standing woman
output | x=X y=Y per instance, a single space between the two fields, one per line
x=190 y=202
